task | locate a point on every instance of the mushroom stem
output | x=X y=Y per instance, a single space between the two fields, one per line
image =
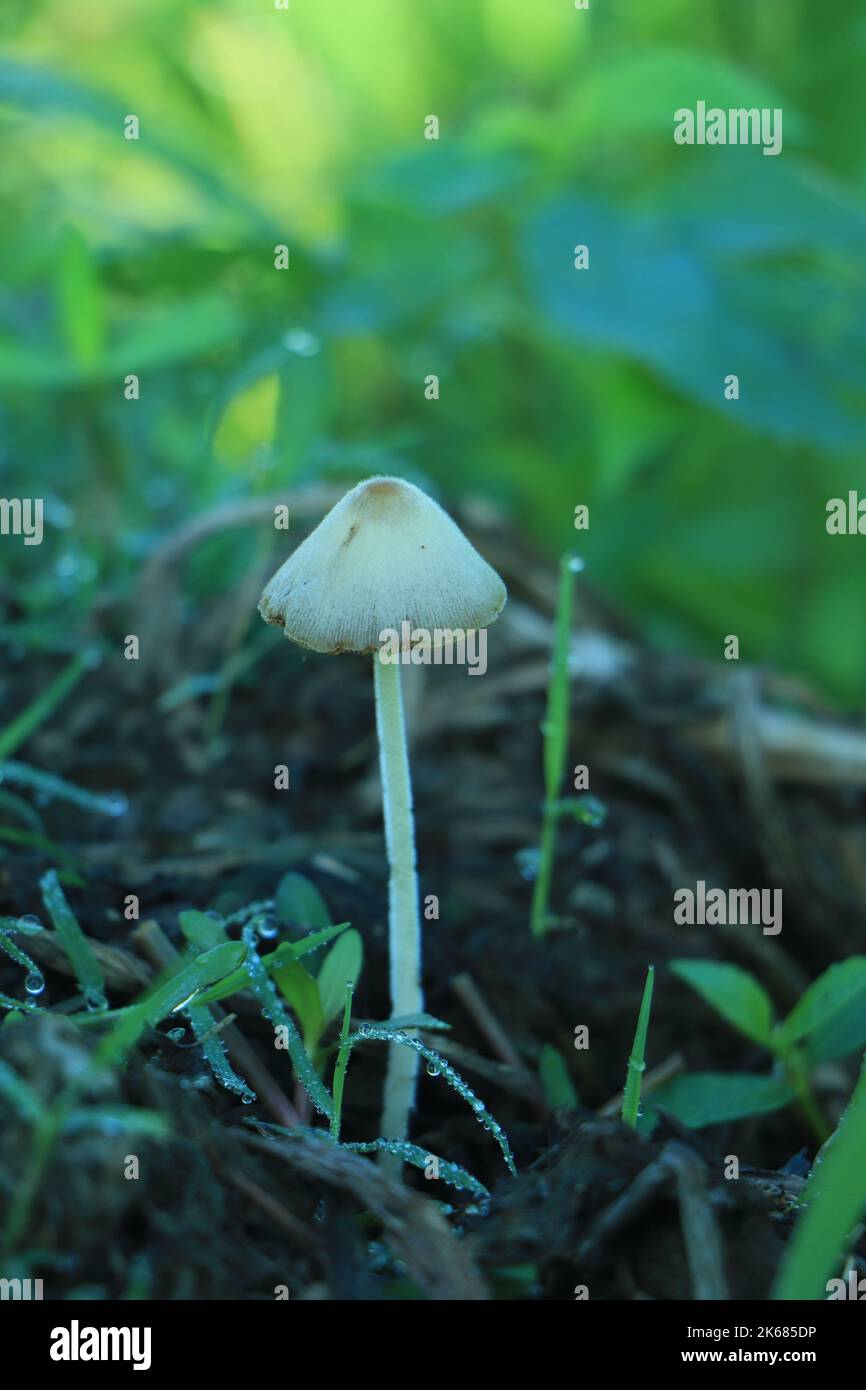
x=404 y=923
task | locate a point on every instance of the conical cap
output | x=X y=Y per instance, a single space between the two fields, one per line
x=385 y=554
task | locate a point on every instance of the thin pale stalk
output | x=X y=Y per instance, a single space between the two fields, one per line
x=404 y=923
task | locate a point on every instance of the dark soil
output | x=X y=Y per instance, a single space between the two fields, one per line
x=677 y=753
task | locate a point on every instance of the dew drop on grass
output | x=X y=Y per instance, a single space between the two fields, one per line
x=34 y=984
x=432 y=1070
x=115 y=804
x=590 y=811
x=302 y=342
x=31 y=921
x=176 y=1034
x=527 y=861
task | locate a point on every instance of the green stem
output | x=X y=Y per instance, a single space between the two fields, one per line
x=404 y=923
x=555 y=732
x=544 y=877
x=799 y=1075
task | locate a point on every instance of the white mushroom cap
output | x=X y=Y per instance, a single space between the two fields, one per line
x=385 y=554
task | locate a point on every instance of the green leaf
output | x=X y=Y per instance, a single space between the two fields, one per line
x=202 y=930
x=300 y=904
x=643 y=258
x=80 y=300
x=712 y=1097
x=342 y=963
x=180 y=986
x=555 y=1080
x=286 y=952
x=296 y=949
x=831 y=1016
x=301 y=991
x=833 y=1202
x=733 y=993
x=637 y=93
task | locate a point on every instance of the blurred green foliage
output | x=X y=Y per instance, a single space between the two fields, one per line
x=410 y=257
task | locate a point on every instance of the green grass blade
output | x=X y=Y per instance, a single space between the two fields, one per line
x=35 y=980
x=25 y=723
x=637 y=1062
x=204 y=1026
x=342 y=1063
x=438 y=1066
x=21 y=1097
x=280 y=1019
x=833 y=1201
x=556 y=722
x=450 y=1173
x=88 y=971
x=54 y=788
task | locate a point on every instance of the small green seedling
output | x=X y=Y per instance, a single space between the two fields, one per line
x=316 y=999
x=829 y=1022
x=556 y=1084
x=555 y=732
x=637 y=1060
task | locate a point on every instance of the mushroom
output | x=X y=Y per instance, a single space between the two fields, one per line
x=388 y=572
